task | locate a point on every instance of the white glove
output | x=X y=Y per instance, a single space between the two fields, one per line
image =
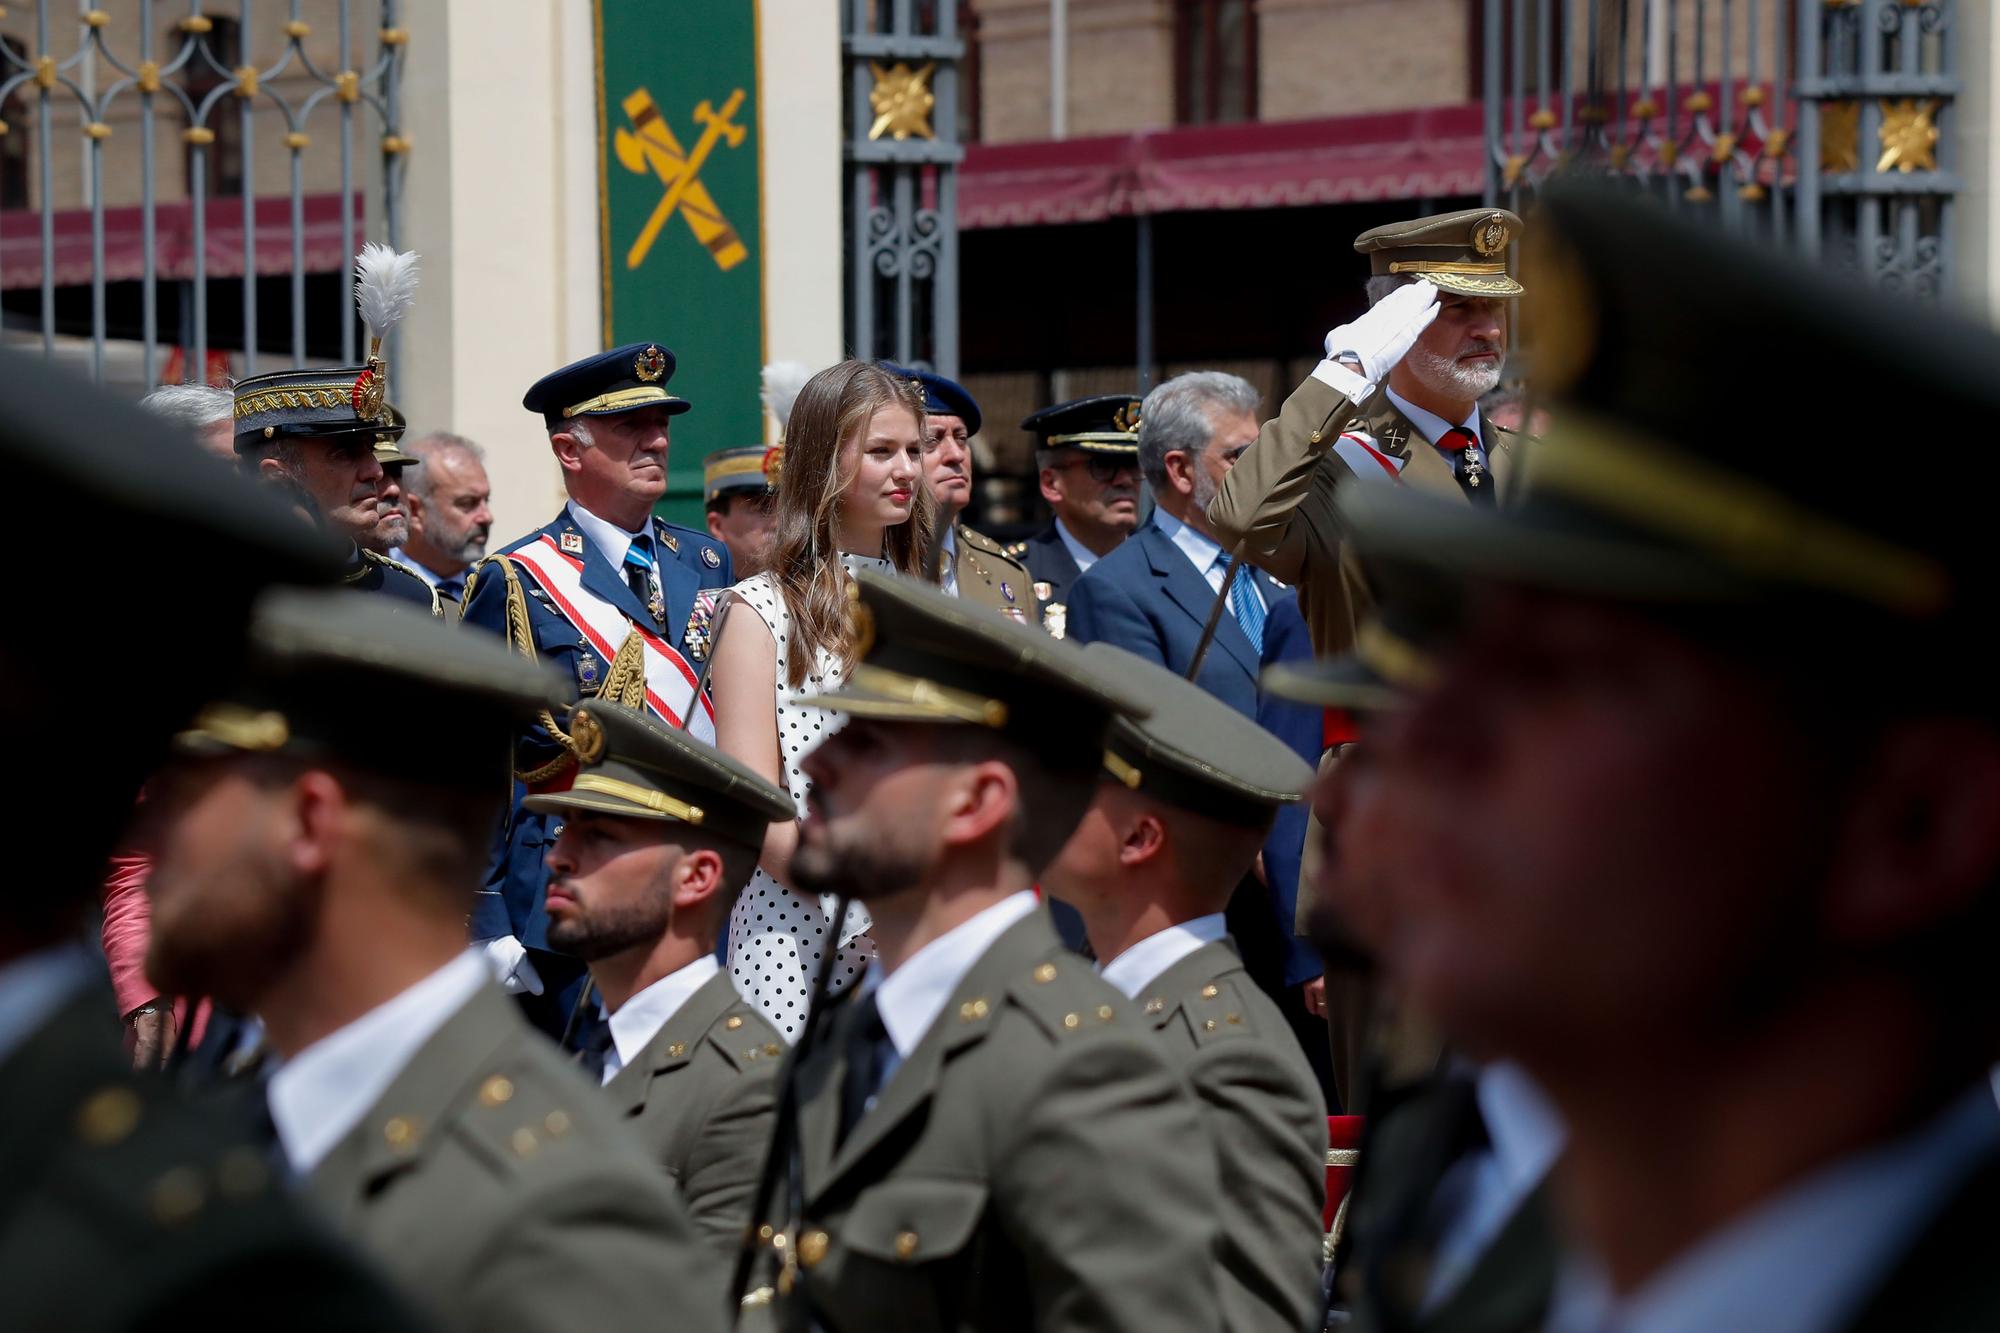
x=508 y=958
x=1377 y=341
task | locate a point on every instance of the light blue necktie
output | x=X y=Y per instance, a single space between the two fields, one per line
x=639 y=572
x=1244 y=604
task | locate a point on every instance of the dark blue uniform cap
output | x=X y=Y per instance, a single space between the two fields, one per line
x=620 y=380
x=1105 y=423
x=942 y=397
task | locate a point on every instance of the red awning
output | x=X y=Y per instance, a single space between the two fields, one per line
x=124 y=249
x=1428 y=153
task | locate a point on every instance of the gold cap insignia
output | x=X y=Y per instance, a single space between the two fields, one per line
x=370 y=387
x=774 y=464
x=1126 y=418
x=588 y=734
x=1490 y=236
x=650 y=365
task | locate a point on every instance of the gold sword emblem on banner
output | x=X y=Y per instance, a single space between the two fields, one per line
x=650 y=146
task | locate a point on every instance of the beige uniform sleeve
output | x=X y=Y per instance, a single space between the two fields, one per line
x=1270 y=495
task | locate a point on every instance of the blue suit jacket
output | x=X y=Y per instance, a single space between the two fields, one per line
x=1304 y=729
x=511 y=903
x=1147 y=598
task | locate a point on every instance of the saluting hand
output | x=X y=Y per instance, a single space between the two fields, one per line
x=1372 y=345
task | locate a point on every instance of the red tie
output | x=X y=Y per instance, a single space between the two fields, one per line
x=1457 y=440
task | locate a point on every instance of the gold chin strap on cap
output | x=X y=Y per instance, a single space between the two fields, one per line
x=621 y=399
x=1444 y=266
x=239 y=728
x=1123 y=771
x=658 y=802
x=939 y=701
x=1393 y=657
x=1093 y=437
x=1741 y=522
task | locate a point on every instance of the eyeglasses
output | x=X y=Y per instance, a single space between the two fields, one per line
x=1103 y=471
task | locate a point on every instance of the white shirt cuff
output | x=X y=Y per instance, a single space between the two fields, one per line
x=1341 y=380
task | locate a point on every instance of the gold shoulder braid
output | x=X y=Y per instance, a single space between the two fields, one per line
x=521 y=638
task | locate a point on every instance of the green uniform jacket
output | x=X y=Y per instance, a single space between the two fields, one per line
x=1281 y=494
x=500 y=1190
x=124 y=1209
x=1267 y=1122
x=989 y=576
x=701 y=1097
x=1035 y=1163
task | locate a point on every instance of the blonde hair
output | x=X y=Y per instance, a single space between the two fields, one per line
x=833 y=407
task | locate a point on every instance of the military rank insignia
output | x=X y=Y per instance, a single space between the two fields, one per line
x=710 y=558
x=572 y=543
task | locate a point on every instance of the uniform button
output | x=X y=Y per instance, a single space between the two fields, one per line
x=906 y=1244
x=735 y=1022
x=1046 y=972
x=812 y=1248
x=1209 y=992
x=496 y=1091
x=772 y=1048
x=556 y=1123
x=107 y=1117
x=1155 y=1006
x=677 y=1050
x=524 y=1142
x=1071 y=1020
x=1104 y=1013
x=400 y=1133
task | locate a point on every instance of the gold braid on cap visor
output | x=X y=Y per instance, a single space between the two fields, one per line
x=657 y=802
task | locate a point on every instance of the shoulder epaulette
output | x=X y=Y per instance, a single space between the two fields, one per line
x=516 y=1119
x=746 y=1038
x=397 y=566
x=1051 y=994
x=1215 y=1011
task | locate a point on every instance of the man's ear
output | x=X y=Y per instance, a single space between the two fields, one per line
x=568 y=451
x=271 y=468
x=1180 y=470
x=1144 y=840
x=1920 y=843
x=319 y=812
x=697 y=878
x=1051 y=482
x=413 y=509
x=982 y=796
x=715 y=524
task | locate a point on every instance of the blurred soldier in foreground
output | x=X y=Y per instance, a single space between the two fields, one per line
x=660 y=832
x=1716 y=856
x=123 y=1209
x=989 y=1136
x=308 y=876
x=1181 y=808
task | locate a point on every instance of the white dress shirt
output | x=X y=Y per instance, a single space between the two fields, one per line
x=1803 y=1261
x=35 y=985
x=1083 y=555
x=910 y=998
x=319 y=1095
x=639 y=1019
x=1201 y=551
x=1144 y=963
x=422 y=571
x=609 y=538
x=947 y=563
x=1485 y=1190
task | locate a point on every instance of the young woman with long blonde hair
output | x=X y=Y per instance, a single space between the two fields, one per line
x=850 y=497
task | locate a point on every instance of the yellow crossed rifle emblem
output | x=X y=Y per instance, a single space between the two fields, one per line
x=650 y=146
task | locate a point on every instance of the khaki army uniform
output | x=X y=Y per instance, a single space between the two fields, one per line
x=501 y=1193
x=989 y=576
x=700 y=1097
x=1267 y=1122
x=1035 y=1163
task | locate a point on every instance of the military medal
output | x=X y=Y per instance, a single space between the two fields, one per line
x=586 y=671
x=1006 y=591
x=698 y=637
x=572 y=543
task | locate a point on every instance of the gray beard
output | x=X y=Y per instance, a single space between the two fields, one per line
x=1444 y=376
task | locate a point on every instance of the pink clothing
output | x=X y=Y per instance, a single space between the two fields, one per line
x=128 y=920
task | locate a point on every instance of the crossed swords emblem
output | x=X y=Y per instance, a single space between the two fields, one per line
x=650 y=146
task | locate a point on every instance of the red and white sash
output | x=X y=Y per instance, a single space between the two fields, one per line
x=669 y=679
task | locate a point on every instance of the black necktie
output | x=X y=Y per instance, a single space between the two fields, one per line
x=590 y=1052
x=867 y=1054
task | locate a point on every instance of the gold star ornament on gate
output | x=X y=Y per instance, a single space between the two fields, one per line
x=902 y=101
x=1909 y=136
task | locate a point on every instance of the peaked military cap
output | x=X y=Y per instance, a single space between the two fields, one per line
x=1463 y=252
x=923 y=656
x=1106 y=423
x=942 y=397
x=333 y=403
x=636 y=767
x=620 y=380
x=1193 y=750
x=1641 y=492
x=753 y=468
x=314 y=654
x=386 y=451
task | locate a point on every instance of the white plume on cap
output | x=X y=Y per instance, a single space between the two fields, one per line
x=385 y=287
x=782 y=382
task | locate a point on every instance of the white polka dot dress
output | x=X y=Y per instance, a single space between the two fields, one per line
x=776 y=934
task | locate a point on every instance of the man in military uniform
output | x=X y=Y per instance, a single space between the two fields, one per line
x=125 y=1209
x=1752 y=697
x=1396 y=399
x=1087 y=453
x=1180 y=811
x=739 y=491
x=307 y=875
x=974 y=566
x=990 y=1136
x=392 y=511
x=661 y=832
x=607 y=593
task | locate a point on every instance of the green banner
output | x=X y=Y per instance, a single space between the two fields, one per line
x=679 y=199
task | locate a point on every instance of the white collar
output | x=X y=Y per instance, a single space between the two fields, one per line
x=35 y=985
x=950 y=538
x=321 y=1094
x=640 y=1018
x=1433 y=426
x=1196 y=545
x=1083 y=555
x=1803 y=1261
x=910 y=998
x=1148 y=960
x=610 y=539
x=423 y=571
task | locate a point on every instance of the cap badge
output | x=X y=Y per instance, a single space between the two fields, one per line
x=572 y=543
x=1126 y=418
x=1490 y=236
x=710 y=558
x=650 y=365
x=774 y=464
x=588 y=735
x=369 y=389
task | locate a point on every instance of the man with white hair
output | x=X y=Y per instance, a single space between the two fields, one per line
x=1396 y=399
x=448 y=497
x=203 y=410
